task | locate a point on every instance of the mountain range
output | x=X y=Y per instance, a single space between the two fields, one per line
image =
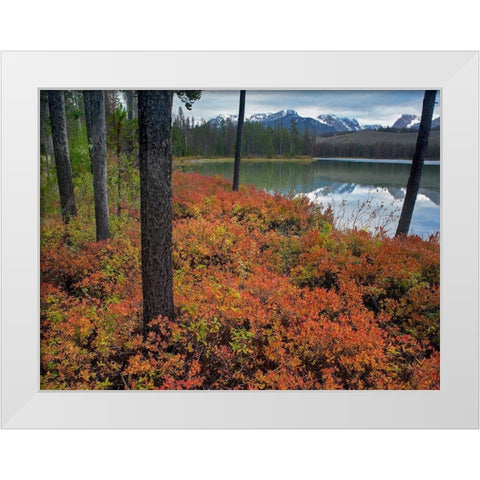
x=324 y=123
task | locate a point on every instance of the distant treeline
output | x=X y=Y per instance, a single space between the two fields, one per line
x=378 y=150
x=211 y=140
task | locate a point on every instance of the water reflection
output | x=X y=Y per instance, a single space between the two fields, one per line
x=359 y=191
x=376 y=208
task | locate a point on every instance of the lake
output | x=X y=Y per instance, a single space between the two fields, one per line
x=362 y=193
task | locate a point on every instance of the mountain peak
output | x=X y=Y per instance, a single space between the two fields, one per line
x=407 y=120
x=340 y=124
x=281 y=114
x=222 y=117
x=413 y=122
x=257 y=117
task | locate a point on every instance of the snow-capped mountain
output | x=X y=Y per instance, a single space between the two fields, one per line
x=219 y=119
x=321 y=124
x=324 y=123
x=286 y=118
x=339 y=124
x=257 y=117
x=413 y=122
x=436 y=122
x=280 y=116
x=407 y=121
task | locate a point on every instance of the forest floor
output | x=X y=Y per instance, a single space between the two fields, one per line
x=268 y=295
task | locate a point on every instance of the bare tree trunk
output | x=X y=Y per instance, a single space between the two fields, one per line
x=77 y=98
x=417 y=163
x=43 y=126
x=88 y=123
x=49 y=141
x=155 y=115
x=118 y=148
x=129 y=94
x=94 y=102
x=62 y=158
x=132 y=113
x=43 y=143
x=238 y=143
x=135 y=105
x=45 y=133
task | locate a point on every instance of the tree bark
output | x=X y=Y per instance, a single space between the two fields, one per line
x=88 y=123
x=56 y=104
x=94 y=102
x=417 y=163
x=238 y=143
x=47 y=126
x=43 y=127
x=119 y=173
x=131 y=111
x=155 y=115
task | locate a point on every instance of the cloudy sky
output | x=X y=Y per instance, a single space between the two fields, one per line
x=367 y=106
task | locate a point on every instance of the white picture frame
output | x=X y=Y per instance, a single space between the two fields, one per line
x=455 y=405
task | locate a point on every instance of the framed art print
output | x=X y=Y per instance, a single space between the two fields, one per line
x=240 y=239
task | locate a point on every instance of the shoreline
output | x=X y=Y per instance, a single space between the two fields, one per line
x=398 y=161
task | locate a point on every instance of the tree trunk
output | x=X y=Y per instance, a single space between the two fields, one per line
x=43 y=143
x=48 y=130
x=135 y=105
x=88 y=123
x=94 y=102
x=43 y=126
x=118 y=149
x=417 y=163
x=62 y=158
x=155 y=115
x=49 y=139
x=131 y=114
x=238 y=143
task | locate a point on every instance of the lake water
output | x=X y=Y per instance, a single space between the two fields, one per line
x=362 y=193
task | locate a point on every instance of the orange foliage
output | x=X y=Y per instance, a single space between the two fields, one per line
x=267 y=295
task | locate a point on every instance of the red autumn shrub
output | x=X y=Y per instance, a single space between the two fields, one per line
x=267 y=296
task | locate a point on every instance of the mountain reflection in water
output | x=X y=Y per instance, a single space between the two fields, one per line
x=359 y=191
